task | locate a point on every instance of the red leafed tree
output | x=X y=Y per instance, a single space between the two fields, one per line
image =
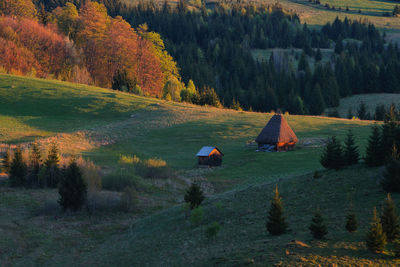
x=111 y=45
x=149 y=74
x=50 y=49
x=16 y=60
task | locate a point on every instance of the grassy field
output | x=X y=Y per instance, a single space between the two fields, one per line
x=114 y=124
x=370 y=100
x=102 y=125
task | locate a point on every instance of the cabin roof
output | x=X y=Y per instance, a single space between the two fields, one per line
x=277 y=130
x=206 y=150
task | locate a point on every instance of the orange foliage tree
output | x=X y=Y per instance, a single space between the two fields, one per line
x=50 y=49
x=111 y=45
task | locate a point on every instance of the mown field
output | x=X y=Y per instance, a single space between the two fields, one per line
x=102 y=125
x=370 y=101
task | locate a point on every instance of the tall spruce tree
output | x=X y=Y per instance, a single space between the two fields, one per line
x=52 y=168
x=390 y=220
x=374 y=154
x=276 y=222
x=72 y=189
x=318 y=228
x=391 y=176
x=18 y=169
x=351 y=221
x=350 y=153
x=375 y=238
x=194 y=196
x=332 y=157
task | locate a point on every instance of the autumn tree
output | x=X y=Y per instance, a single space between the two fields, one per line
x=18 y=8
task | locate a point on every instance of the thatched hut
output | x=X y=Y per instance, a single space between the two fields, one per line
x=277 y=135
x=210 y=155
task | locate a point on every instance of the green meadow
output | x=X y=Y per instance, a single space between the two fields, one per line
x=104 y=125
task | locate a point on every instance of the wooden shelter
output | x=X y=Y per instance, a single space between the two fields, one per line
x=277 y=135
x=210 y=155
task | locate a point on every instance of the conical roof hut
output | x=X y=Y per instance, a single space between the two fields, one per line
x=278 y=133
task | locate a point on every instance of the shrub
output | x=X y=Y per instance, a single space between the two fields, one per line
x=317 y=175
x=129 y=199
x=276 y=223
x=194 y=196
x=318 y=228
x=153 y=169
x=90 y=173
x=196 y=216
x=375 y=238
x=118 y=182
x=212 y=230
x=18 y=169
x=129 y=159
x=73 y=189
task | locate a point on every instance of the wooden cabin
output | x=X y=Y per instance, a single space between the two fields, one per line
x=277 y=135
x=210 y=156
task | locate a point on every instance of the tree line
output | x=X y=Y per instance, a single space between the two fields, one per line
x=214 y=48
x=214 y=53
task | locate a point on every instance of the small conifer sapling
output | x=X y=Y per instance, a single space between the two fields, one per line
x=318 y=228
x=276 y=222
x=194 y=196
x=390 y=220
x=376 y=238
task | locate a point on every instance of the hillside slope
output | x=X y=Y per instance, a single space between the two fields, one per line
x=103 y=124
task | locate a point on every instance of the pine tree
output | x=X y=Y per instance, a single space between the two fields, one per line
x=52 y=168
x=35 y=164
x=194 y=196
x=276 y=223
x=390 y=220
x=6 y=162
x=332 y=155
x=351 y=222
x=375 y=238
x=350 y=154
x=374 y=154
x=318 y=228
x=391 y=177
x=318 y=55
x=18 y=169
x=362 y=111
x=349 y=113
x=73 y=189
